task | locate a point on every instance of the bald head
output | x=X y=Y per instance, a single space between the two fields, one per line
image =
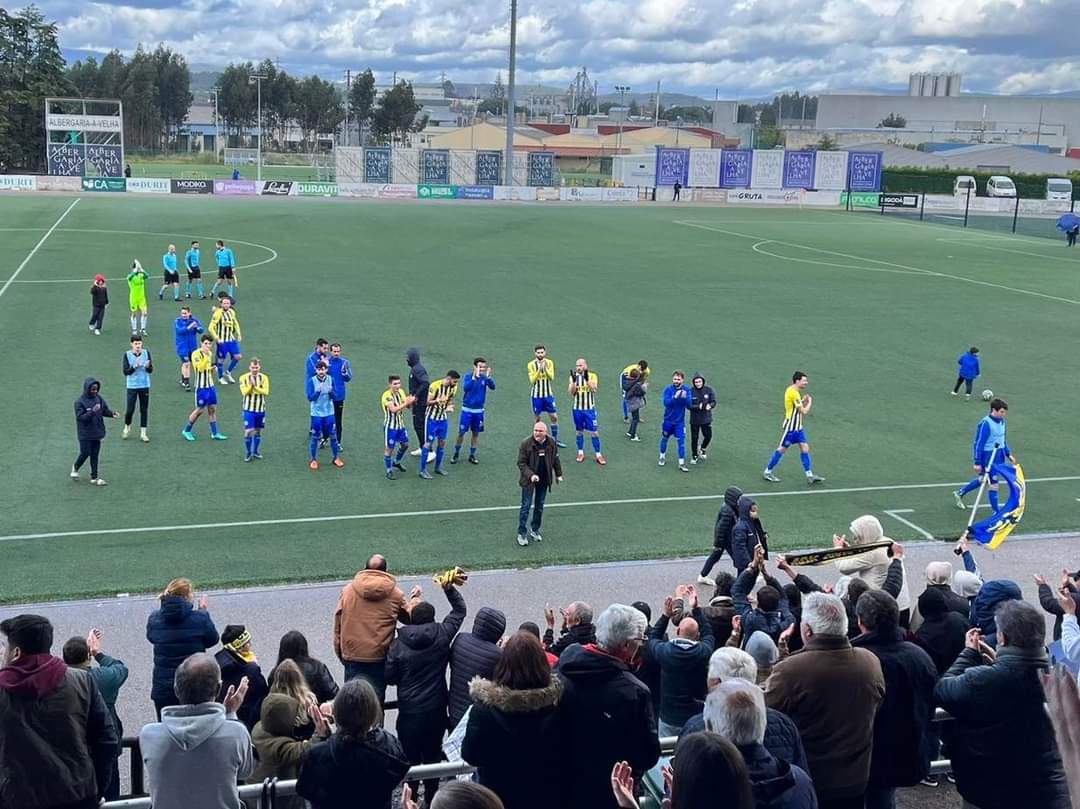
x=688 y=628
x=540 y=431
x=376 y=562
x=197 y=680
x=580 y=366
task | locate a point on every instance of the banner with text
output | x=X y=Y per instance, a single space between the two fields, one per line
x=435 y=167
x=18 y=182
x=66 y=159
x=84 y=123
x=489 y=168
x=317 y=189
x=735 y=168
x=106 y=158
x=277 y=188
x=515 y=193
x=864 y=172
x=672 y=165
x=474 y=192
x=704 y=170
x=148 y=185
x=799 y=169
x=104 y=184
x=768 y=168
x=233 y=187
x=190 y=186
x=830 y=171
x=764 y=196
x=541 y=169
x=377 y=165
x=429 y=191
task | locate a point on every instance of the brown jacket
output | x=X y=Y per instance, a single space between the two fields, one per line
x=278 y=750
x=529 y=461
x=367 y=616
x=832 y=692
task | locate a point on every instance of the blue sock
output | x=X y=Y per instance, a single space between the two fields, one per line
x=423 y=458
x=457 y=451
x=993 y=496
x=401 y=452
x=256 y=442
x=247 y=444
x=682 y=449
x=663 y=444
x=971 y=486
x=555 y=431
x=580 y=442
x=596 y=444
x=335 y=447
x=472 y=452
x=805 y=457
x=440 y=453
x=232 y=291
x=213 y=428
x=220 y=368
x=388 y=461
x=774 y=460
x=190 y=426
x=187 y=289
x=176 y=293
x=199 y=287
x=233 y=362
x=314 y=447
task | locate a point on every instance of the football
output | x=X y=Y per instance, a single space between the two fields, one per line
x=987 y=395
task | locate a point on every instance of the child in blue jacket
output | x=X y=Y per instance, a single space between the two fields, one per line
x=969 y=370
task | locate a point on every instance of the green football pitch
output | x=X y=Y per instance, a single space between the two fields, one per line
x=874 y=309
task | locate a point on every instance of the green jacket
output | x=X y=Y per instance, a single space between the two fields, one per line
x=110 y=674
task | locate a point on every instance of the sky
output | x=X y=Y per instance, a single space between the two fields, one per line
x=740 y=49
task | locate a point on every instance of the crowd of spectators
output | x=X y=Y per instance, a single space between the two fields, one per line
x=782 y=695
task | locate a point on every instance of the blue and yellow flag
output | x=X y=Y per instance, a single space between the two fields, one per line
x=994 y=529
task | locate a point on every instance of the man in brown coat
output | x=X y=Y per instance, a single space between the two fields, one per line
x=367 y=616
x=832 y=692
x=539 y=465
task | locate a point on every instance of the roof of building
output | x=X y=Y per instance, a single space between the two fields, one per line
x=483 y=135
x=1016 y=158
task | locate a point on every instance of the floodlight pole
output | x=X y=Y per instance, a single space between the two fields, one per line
x=257 y=78
x=622 y=90
x=217 y=125
x=508 y=158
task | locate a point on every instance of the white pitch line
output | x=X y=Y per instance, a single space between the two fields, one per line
x=37 y=246
x=756 y=247
x=981 y=246
x=895 y=514
x=149 y=529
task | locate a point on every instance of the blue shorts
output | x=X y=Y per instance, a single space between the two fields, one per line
x=984 y=460
x=204 y=397
x=471 y=423
x=253 y=420
x=396 y=438
x=228 y=347
x=794 y=437
x=544 y=404
x=436 y=429
x=678 y=429
x=183 y=357
x=322 y=426
x=584 y=420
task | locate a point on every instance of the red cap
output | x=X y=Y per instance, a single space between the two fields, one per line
x=99 y=278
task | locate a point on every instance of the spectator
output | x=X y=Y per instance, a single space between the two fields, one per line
x=607 y=711
x=513 y=736
x=967 y=584
x=457 y=795
x=57 y=742
x=721 y=608
x=1070 y=629
x=199 y=750
x=794 y=597
x=986 y=603
x=766 y=653
x=747 y=534
x=110 y=675
x=360 y=764
x=725 y=524
x=294 y=647
x=942 y=630
x=1063 y=707
x=237 y=661
x=474 y=654
x=832 y=693
x=648 y=670
x=902 y=729
x=416 y=664
x=707 y=770
x=782 y=738
x=539 y=468
x=702 y=403
x=287 y=728
x=939 y=577
x=577 y=627
x=1002 y=750
x=735 y=709
x=873 y=566
x=684 y=662
x=533 y=629
x=91 y=410
x=1050 y=602
x=365 y=621
x=177 y=630
x=771 y=615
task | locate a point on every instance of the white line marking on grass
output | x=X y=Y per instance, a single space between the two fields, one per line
x=916 y=270
x=970 y=242
x=37 y=246
x=150 y=529
x=895 y=514
x=756 y=247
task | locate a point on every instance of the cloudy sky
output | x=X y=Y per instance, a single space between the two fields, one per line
x=743 y=48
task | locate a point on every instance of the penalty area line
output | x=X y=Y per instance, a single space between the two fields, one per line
x=37 y=246
x=438 y=512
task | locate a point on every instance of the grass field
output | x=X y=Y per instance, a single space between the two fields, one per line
x=218 y=171
x=874 y=309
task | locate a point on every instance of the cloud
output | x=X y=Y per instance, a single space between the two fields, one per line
x=742 y=48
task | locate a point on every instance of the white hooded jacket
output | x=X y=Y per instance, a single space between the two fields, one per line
x=872 y=566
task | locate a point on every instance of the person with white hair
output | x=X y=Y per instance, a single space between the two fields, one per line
x=872 y=566
x=832 y=692
x=782 y=738
x=607 y=712
x=940 y=576
x=735 y=709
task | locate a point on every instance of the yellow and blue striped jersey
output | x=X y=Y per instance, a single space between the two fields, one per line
x=585 y=395
x=224 y=325
x=792 y=411
x=541 y=378
x=394 y=421
x=203 y=364
x=644 y=374
x=439 y=397
x=255 y=388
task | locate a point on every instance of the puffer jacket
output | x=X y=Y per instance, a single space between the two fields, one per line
x=278 y=750
x=345 y=771
x=584 y=634
x=777 y=784
x=367 y=615
x=177 y=630
x=756 y=620
x=872 y=567
x=725 y=520
x=1003 y=751
x=90 y=423
x=416 y=662
x=782 y=738
x=747 y=533
x=991 y=594
x=233 y=670
x=473 y=654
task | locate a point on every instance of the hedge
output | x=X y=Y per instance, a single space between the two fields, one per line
x=940 y=181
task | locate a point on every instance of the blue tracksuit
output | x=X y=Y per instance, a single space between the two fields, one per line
x=476 y=389
x=969 y=365
x=313 y=359
x=340 y=372
x=187 y=340
x=675 y=410
x=989 y=435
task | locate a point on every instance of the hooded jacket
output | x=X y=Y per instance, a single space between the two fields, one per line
x=969 y=365
x=514 y=738
x=773 y=622
x=872 y=567
x=233 y=670
x=418 y=380
x=90 y=422
x=747 y=533
x=702 y=402
x=278 y=750
x=684 y=665
x=608 y=717
x=344 y=771
x=367 y=615
x=942 y=631
x=991 y=594
x=57 y=740
x=195 y=756
x=177 y=630
x=725 y=520
x=416 y=662
x=777 y=784
x=473 y=654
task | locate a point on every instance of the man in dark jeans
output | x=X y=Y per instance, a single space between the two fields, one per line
x=137 y=369
x=540 y=467
x=90 y=413
x=418 y=387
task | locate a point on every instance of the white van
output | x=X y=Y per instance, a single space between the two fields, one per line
x=962 y=184
x=1000 y=186
x=1059 y=188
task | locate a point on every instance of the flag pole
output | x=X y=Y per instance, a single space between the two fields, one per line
x=982 y=486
